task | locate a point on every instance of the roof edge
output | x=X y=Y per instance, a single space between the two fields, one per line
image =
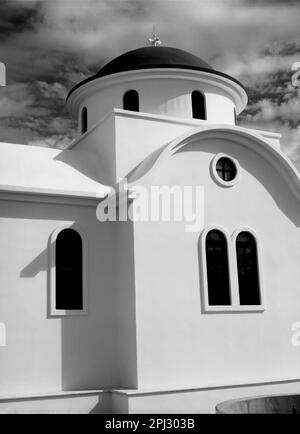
x=265 y=148
x=157 y=66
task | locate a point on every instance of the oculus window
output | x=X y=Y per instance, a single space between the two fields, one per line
x=226 y=169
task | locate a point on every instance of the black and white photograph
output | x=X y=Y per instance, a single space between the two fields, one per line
x=150 y=209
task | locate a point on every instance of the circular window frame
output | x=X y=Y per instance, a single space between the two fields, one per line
x=215 y=174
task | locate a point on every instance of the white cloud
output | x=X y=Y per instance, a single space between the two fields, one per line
x=55 y=141
x=286 y=111
x=249 y=40
x=53 y=90
x=281 y=117
x=17 y=99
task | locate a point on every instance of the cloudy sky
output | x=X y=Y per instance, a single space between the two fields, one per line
x=50 y=45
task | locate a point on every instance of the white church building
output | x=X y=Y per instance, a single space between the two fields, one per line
x=146 y=316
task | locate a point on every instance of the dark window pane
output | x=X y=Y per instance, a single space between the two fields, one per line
x=226 y=169
x=84 y=120
x=246 y=252
x=69 y=270
x=198 y=105
x=217 y=269
x=131 y=101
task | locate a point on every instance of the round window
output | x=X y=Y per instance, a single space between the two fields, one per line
x=226 y=169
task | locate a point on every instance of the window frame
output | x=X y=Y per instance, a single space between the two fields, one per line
x=215 y=174
x=204 y=278
x=52 y=310
x=257 y=307
x=235 y=305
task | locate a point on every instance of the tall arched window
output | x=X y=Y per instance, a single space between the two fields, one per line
x=247 y=265
x=217 y=269
x=198 y=105
x=68 y=270
x=131 y=101
x=84 y=120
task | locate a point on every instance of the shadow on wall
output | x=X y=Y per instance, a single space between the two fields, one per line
x=36 y=266
x=104 y=405
x=110 y=403
x=87 y=163
x=88 y=342
x=126 y=305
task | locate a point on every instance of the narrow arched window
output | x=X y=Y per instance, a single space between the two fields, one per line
x=247 y=265
x=68 y=270
x=84 y=120
x=131 y=101
x=198 y=105
x=217 y=269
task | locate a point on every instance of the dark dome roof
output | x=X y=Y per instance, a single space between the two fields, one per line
x=153 y=57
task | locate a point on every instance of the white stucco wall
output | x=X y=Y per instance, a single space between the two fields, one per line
x=44 y=354
x=41 y=169
x=177 y=343
x=169 y=97
x=202 y=400
x=125 y=308
x=123 y=139
x=162 y=92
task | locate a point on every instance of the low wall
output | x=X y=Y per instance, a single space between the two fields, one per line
x=96 y=402
x=273 y=397
x=284 y=404
x=195 y=400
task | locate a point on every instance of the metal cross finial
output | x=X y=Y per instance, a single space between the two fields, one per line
x=154 y=41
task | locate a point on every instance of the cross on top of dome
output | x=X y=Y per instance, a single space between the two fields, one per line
x=154 y=41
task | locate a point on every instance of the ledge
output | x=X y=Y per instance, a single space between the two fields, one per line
x=141 y=392
x=33 y=194
x=59 y=394
x=198 y=388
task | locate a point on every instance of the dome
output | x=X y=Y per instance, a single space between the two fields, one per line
x=153 y=57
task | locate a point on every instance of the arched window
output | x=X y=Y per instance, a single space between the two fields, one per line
x=217 y=269
x=84 y=120
x=131 y=101
x=247 y=265
x=68 y=270
x=198 y=105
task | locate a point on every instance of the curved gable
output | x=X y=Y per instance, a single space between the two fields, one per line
x=251 y=140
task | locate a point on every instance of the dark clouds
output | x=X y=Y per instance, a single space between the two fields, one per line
x=49 y=45
x=16 y=17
